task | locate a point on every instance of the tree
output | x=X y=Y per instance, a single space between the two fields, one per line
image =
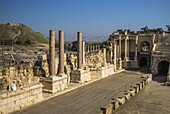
x=145 y=29
x=75 y=46
x=168 y=26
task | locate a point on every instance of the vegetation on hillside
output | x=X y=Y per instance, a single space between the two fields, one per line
x=20 y=34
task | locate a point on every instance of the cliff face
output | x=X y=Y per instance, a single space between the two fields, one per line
x=20 y=34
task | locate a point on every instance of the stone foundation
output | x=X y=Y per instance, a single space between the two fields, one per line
x=102 y=72
x=14 y=100
x=54 y=84
x=80 y=76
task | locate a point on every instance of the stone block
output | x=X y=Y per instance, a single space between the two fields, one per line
x=107 y=109
x=115 y=104
x=140 y=85
x=3 y=107
x=24 y=100
x=17 y=107
x=121 y=100
x=30 y=98
x=136 y=88
x=132 y=91
x=3 y=95
x=127 y=95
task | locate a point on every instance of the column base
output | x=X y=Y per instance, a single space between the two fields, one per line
x=54 y=84
x=126 y=59
x=80 y=76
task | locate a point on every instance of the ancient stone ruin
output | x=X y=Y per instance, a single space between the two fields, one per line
x=28 y=72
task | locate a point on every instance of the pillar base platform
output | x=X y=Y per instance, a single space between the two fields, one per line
x=80 y=76
x=102 y=72
x=54 y=83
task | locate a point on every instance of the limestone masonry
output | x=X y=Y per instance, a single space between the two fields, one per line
x=28 y=72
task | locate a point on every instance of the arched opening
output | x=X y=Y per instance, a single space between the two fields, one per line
x=145 y=46
x=143 y=62
x=163 y=68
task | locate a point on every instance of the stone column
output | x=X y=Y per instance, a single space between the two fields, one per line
x=136 y=49
x=115 y=45
x=98 y=47
x=120 y=48
x=117 y=49
x=83 y=58
x=61 y=52
x=52 y=52
x=128 y=49
x=88 y=48
x=79 y=58
x=93 y=48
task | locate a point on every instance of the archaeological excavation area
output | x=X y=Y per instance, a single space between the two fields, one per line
x=96 y=78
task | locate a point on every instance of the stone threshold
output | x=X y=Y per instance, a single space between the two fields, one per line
x=73 y=86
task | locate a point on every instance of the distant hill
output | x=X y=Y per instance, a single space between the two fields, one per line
x=88 y=39
x=20 y=34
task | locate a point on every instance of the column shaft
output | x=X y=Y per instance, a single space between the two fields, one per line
x=120 y=47
x=61 y=52
x=52 y=52
x=136 y=48
x=79 y=58
x=128 y=49
x=115 y=45
x=83 y=54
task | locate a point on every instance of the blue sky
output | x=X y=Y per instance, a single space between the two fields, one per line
x=92 y=17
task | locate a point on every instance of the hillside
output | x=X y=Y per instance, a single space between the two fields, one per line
x=20 y=34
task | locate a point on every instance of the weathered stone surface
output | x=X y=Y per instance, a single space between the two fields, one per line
x=14 y=100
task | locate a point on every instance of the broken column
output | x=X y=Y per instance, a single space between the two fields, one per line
x=135 y=63
x=80 y=75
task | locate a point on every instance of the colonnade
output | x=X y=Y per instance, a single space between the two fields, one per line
x=117 y=49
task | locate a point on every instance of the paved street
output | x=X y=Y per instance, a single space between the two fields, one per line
x=87 y=99
x=154 y=99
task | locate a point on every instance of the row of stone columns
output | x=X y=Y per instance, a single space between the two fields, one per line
x=93 y=48
x=61 y=52
x=118 y=48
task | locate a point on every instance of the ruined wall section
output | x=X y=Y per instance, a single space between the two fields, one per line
x=22 y=73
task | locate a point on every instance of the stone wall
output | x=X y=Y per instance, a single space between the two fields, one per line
x=14 y=100
x=95 y=59
x=22 y=73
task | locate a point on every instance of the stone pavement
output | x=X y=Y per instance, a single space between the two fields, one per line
x=154 y=99
x=86 y=99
